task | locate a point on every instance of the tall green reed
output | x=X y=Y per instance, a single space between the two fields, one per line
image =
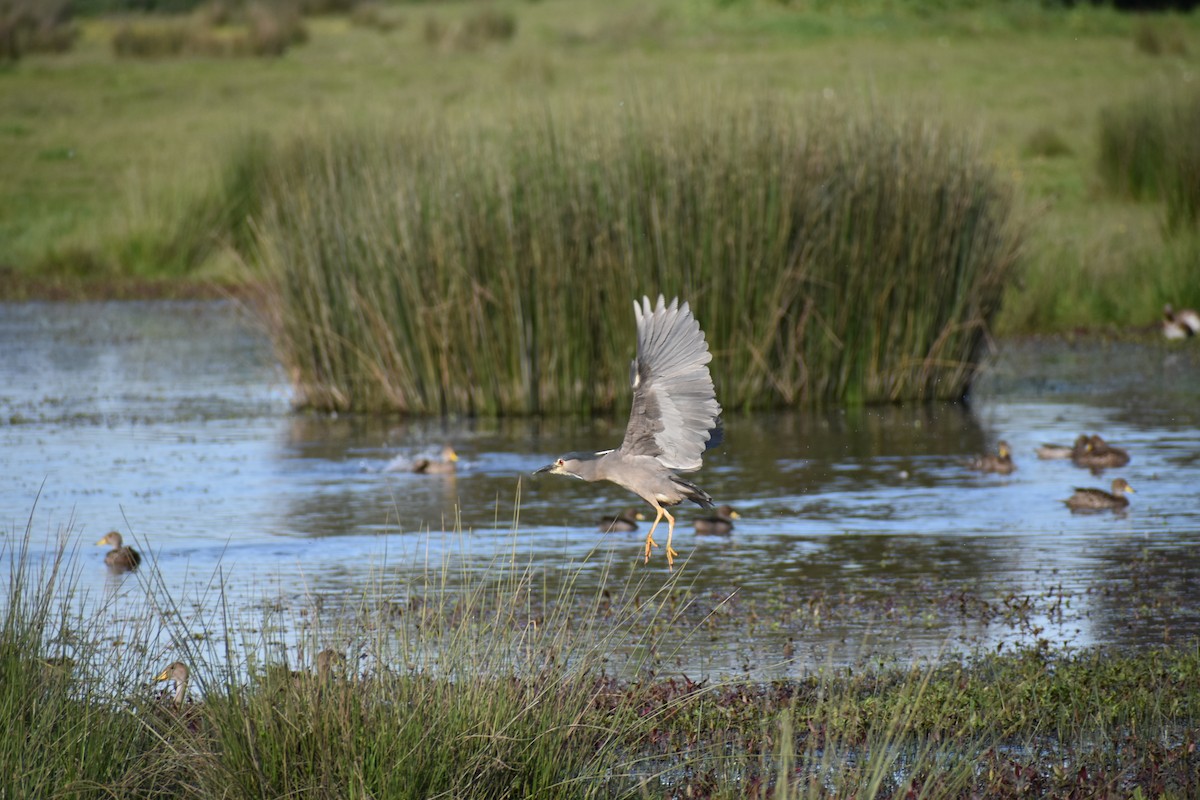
x=839 y=259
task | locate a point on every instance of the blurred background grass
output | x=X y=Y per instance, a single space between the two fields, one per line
x=106 y=158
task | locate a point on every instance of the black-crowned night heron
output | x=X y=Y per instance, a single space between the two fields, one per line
x=675 y=418
x=1181 y=324
x=720 y=522
x=121 y=558
x=1087 y=499
x=1001 y=462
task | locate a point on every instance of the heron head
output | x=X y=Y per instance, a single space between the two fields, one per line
x=577 y=465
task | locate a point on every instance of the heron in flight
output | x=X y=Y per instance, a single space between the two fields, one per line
x=675 y=418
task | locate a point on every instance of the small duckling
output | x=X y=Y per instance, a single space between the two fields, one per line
x=121 y=558
x=1001 y=463
x=1088 y=499
x=624 y=522
x=1182 y=324
x=177 y=672
x=433 y=466
x=719 y=523
x=1099 y=454
x=1050 y=451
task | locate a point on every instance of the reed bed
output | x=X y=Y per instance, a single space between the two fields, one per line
x=1149 y=150
x=830 y=258
x=503 y=682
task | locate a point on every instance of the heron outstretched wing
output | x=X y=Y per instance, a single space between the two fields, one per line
x=675 y=415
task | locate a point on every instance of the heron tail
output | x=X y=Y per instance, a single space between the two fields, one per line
x=693 y=492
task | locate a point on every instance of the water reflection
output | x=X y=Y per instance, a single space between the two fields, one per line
x=170 y=422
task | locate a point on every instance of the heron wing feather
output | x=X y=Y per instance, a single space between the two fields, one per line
x=675 y=415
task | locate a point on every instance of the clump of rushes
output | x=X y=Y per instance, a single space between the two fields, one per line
x=1149 y=150
x=846 y=260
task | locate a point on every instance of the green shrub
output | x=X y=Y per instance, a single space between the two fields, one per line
x=844 y=261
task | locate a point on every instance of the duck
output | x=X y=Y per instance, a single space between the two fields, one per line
x=720 y=522
x=447 y=465
x=624 y=522
x=1001 y=463
x=1099 y=454
x=121 y=558
x=327 y=661
x=179 y=673
x=1089 y=499
x=1051 y=451
x=1182 y=324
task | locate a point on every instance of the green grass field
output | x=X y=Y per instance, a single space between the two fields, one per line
x=102 y=155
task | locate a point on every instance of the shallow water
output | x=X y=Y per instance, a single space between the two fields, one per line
x=862 y=532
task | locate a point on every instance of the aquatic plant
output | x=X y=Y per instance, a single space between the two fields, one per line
x=838 y=259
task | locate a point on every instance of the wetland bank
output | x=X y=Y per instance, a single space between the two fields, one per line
x=881 y=622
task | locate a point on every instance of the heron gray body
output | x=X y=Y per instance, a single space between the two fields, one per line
x=675 y=417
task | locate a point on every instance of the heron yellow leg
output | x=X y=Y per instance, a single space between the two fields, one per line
x=670 y=530
x=650 y=536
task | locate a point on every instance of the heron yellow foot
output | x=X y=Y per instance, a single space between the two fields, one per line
x=650 y=543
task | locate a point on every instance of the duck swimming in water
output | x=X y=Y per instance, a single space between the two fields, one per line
x=1001 y=462
x=1099 y=454
x=720 y=523
x=624 y=522
x=121 y=558
x=1089 y=499
x=447 y=465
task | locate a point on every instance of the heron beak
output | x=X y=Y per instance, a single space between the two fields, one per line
x=1129 y=489
x=162 y=676
x=734 y=515
x=547 y=468
x=102 y=541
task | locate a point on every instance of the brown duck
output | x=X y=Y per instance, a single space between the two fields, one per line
x=624 y=522
x=1088 y=499
x=720 y=523
x=1050 y=451
x=177 y=672
x=121 y=558
x=1001 y=462
x=1099 y=454
x=447 y=465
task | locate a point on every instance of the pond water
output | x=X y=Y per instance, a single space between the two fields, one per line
x=862 y=533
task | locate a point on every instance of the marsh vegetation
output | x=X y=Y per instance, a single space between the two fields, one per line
x=503 y=688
